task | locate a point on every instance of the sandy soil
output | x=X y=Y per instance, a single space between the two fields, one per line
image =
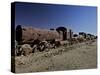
x=79 y=56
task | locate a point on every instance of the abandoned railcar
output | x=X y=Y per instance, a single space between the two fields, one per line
x=40 y=39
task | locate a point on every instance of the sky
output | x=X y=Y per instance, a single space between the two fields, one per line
x=46 y=16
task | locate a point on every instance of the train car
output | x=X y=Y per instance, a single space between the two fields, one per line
x=40 y=39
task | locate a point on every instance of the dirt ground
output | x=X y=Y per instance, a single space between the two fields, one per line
x=79 y=56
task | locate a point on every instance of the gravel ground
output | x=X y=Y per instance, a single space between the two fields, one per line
x=80 y=56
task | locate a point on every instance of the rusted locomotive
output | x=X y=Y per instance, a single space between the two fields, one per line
x=39 y=39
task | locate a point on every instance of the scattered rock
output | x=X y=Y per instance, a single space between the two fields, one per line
x=26 y=49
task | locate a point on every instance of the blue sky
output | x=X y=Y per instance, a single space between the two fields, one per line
x=78 y=18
